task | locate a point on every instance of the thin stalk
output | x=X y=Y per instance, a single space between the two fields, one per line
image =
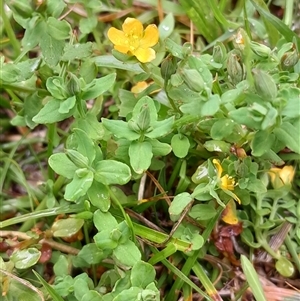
x=293 y=252
x=288 y=12
x=209 y=287
x=42 y=213
x=51 y=135
x=174 y=174
x=9 y=30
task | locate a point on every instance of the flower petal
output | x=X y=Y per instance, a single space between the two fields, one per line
x=117 y=37
x=218 y=167
x=229 y=215
x=150 y=37
x=132 y=26
x=139 y=87
x=144 y=55
x=121 y=48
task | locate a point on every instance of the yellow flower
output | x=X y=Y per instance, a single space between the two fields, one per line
x=134 y=40
x=226 y=182
x=282 y=176
x=139 y=87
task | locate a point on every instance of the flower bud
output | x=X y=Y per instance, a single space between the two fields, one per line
x=235 y=67
x=289 y=59
x=193 y=79
x=219 y=53
x=132 y=124
x=260 y=49
x=264 y=84
x=143 y=118
x=77 y=158
x=187 y=49
x=168 y=67
x=73 y=85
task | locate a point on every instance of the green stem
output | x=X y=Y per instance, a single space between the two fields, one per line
x=288 y=12
x=42 y=213
x=293 y=252
x=51 y=135
x=9 y=30
x=273 y=210
x=28 y=224
x=174 y=174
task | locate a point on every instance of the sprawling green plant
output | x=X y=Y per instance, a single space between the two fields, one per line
x=162 y=159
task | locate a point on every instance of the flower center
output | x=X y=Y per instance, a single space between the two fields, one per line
x=227 y=182
x=133 y=41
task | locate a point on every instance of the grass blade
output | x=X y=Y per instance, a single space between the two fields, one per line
x=252 y=279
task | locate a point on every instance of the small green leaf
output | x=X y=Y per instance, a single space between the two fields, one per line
x=140 y=154
x=92 y=296
x=104 y=221
x=261 y=143
x=98 y=86
x=284 y=267
x=60 y=30
x=91 y=254
x=159 y=148
x=217 y=146
x=86 y=25
x=52 y=49
x=180 y=145
x=34 y=31
x=178 y=204
x=67 y=105
x=120 y=129
x=55 y=7
x=77 y=51
x=127 y=254
x=161 y=128
x=26 y=258
x=62 y=165
x=142 y=274
x=211 y=106
x=109 y=172
x=221 y=128
x=79 y=185
x=50 y=113
x=56 y=86
x=166 y=27
x=289 y=135
x=85 y=145
x=203 y=212
x=98 y=195
x=66 y=227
